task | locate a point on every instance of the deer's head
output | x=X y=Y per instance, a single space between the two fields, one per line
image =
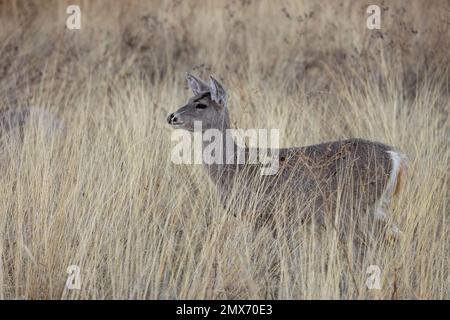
x=208 y=105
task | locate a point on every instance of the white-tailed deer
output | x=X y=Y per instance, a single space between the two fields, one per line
x=348 y=182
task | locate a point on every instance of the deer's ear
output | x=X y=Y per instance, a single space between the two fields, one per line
x=218 y=93
x=197 y=86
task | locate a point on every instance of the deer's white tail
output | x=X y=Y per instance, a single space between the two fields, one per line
x=398 y=171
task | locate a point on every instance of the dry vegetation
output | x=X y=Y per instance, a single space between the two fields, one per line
x=105 y=196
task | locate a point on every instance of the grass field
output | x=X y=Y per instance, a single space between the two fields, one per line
x=104 y=195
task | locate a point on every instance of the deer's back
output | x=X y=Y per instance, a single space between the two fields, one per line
x=347 y=173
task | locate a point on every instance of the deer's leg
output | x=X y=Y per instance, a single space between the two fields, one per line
x=392 y=231
x=399 y=166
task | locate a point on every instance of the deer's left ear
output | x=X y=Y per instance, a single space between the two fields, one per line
x=218 y=93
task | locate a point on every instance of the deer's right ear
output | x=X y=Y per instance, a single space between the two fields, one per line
x=197 y=86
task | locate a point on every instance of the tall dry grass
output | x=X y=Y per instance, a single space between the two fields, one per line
x=105 y=196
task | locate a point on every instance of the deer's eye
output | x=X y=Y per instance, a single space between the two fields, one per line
x=201 y=106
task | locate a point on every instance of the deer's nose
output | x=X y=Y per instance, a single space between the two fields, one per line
x=171 y=118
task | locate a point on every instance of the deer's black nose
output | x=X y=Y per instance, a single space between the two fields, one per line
x=171 y=118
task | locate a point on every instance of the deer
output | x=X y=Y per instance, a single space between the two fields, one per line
x=343 y=183
x=14 y=120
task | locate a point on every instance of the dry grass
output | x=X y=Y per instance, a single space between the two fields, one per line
x=105 y=196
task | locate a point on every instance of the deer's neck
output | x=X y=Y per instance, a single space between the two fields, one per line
x=220 y=158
